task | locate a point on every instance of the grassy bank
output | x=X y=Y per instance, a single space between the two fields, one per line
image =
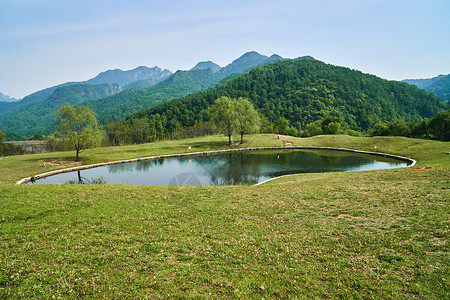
x=379 y=234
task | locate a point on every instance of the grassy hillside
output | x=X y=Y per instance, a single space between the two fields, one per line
x=378 y=234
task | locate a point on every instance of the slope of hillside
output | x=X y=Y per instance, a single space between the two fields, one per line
x=306 y=90
x=440 y=85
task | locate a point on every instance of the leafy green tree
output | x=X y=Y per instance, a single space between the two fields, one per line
x=334 y=125
x=223 y=114
x=247 y=117
x=439 y=126
x=78 y=128
x=282 y=125
x=314 y=128
x=2 y=136
x=398 y=128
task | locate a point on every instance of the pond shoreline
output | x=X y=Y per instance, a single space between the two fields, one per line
x=411 y=162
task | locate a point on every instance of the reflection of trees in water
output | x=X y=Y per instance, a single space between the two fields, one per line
x=230 y=169
x=83 y=180
x=140 y=166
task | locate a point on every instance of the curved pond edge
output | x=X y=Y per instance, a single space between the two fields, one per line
x=411 y=162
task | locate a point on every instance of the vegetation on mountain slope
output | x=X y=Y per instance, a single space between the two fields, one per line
x=303 y=92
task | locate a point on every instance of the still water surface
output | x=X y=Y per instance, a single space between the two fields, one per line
x=233 y=168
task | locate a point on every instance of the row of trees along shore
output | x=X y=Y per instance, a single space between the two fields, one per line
x=78 y=128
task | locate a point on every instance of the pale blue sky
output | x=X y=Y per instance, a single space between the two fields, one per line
x=48 y=42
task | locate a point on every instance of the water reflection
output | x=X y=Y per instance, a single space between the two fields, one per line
x=83 y=180
x=233 y=168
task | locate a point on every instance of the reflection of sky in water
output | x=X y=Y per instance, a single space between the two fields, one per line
x=249 y=167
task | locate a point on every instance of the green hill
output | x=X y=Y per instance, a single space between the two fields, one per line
x=306 y=90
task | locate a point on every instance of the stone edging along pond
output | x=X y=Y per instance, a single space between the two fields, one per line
x=410 y=161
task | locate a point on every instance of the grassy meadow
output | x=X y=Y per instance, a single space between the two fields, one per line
x=375 y=234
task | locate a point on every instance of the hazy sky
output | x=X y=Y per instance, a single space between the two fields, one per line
x=48 y=42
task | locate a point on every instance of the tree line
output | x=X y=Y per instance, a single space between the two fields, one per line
x=78 y=128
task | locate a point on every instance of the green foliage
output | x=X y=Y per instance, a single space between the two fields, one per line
x=439 y=126
x=334 y=125
x=393 y=128
x=234 y=115
x=8 y=149
x=247 y=117
x=78 y=128
x=223 y=114
x=2 y=136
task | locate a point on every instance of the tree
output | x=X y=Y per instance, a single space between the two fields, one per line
x=223 y=114
x=439 y=126
x=2 y=136
x=247 y=117
x=282 y=125
x=78 y=128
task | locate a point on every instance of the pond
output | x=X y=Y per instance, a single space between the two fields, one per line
x=229 y=168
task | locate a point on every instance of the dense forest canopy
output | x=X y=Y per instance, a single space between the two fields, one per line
x=304 y=91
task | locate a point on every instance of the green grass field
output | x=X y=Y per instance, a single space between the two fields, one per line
x=377 y=234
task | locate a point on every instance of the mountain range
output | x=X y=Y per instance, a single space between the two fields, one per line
x=36 y=112
x=440 y=85
x=300 y=95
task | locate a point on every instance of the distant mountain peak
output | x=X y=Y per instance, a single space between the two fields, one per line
x=126 y=77
x=204 y=65
x=248 y=61
x=6 y=98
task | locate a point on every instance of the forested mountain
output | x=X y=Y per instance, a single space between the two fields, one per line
x=40 y=116
x=439 y=85
x=306 y=90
